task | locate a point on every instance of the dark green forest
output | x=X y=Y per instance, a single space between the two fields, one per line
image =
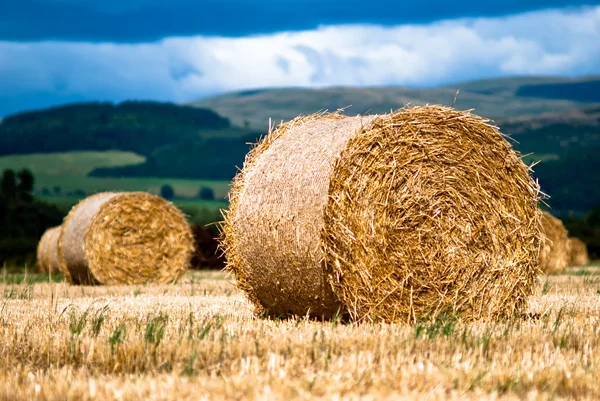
x=567 y=146
x=177 y=141
x=140 y=127
x=23 y=219
x=585 y=91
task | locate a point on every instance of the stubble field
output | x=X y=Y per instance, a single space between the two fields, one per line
x=199 y=340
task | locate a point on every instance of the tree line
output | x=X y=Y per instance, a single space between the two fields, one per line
x=23 y=219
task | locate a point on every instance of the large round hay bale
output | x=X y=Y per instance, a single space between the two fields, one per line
x=554 y=255
x=125 y=238
x=578 y=254
x=396 y=217
x=47 y=251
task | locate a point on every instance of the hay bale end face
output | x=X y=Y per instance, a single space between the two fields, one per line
x=554 y=255
x=125 y=238
x=578 y=254
x=47 y=251
x=396 y=217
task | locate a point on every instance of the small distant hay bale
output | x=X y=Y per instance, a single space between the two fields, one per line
x=47 y=251
x=554 y=255
x=125 y=238
x=578 y=253
x=394 y=217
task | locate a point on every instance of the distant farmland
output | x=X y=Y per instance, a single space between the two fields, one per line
x=69 y=172
x=61 y=178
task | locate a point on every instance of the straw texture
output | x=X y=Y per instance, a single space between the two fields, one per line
x=277 y=216
x=125 y=238
x=41 y=253
x=47 y=251
x=396 y=217
x=578 y=254
x=554 y=255
x=51 y=253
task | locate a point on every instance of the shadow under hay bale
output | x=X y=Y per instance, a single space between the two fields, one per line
x=206 y=249
x=554 y=255
x=125 y=238
x=395 y=217
x=48 y=245
x=578 y=254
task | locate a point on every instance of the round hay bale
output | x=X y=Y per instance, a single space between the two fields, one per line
x=578 y=254
x=395 y=217
x=47 y=251
x=554 y=255
x=42 y=262
x=52 y=260
x=125 y=238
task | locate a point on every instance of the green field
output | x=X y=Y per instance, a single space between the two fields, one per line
x=198 y=211
x=69 y=172
x=69 y=164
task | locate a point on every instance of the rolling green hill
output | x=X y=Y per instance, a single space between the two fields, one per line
x=63 y=179
x=583 y=89
x=63 y=174
x=568 y=144
x=165 y=140
x=139 y=127
x=496 y=99
x=144 y=145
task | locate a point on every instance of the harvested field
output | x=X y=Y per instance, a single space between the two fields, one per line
x=198 y=339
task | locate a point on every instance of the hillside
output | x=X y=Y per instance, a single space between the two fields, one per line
x=139 y=127
x=539 y=87
x=568 y=144
x=167 y=142
x=495 y=98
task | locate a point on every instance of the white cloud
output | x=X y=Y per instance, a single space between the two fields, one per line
x=557 y=42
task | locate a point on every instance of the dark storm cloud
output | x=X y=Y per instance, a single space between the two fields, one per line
x=148 y=20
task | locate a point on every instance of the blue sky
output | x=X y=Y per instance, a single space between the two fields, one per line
x=57 y=51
